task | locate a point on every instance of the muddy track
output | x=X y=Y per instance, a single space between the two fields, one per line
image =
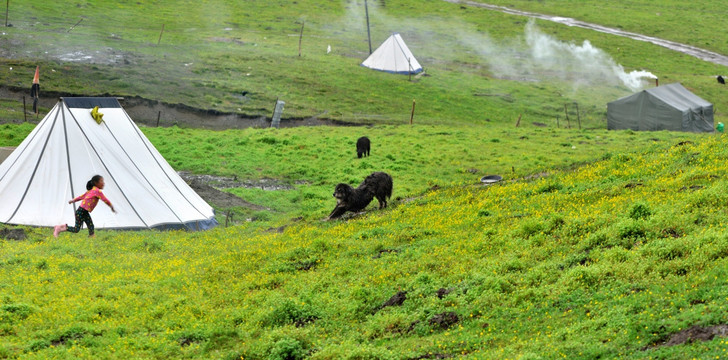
x=697 y=52
x=144 y=111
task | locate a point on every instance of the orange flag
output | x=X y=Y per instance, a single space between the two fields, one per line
x=35 y=89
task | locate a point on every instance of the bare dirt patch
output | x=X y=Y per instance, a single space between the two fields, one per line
x=445 y=320
x=396 y=300
x=12 y=234
x=225 y=182
x=696 y=333
x=145 y=111
x=219 y=198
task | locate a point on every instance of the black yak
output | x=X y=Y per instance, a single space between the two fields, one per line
x=362 y=147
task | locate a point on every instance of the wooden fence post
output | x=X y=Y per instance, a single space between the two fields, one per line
x=160 y=35
x=566 y=111
x=412 y=115
x=300 y=38
x=578 y=117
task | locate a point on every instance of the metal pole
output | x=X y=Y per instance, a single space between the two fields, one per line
x=25 y=112
x=369 y=35
x=7 y=9
x=159 y=114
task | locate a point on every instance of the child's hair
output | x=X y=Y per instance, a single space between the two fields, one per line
x=94 y=180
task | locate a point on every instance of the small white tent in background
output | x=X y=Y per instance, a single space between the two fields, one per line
x=393 y=56
x=68 y=147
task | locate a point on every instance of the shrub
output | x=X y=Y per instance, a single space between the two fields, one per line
x=630 y=230
x=484 y=213
x=548 y=188
x=640 y=211
x=289 y=312
x=268 y=140
x=38 y=345
x=287 y=349
x=530 y=228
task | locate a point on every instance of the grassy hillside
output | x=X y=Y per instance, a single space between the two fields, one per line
x=313 y=160
x=210 y=52
x=580 y=264
x=672 y=19
x=597 y=244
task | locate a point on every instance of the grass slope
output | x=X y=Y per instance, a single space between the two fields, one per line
x=418 y=157
x=212 y=51
x=672 y=19
x=608 y=260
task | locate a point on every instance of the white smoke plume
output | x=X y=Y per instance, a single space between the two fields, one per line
x=538 y=56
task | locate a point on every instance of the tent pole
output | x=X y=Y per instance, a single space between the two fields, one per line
x=369 y=35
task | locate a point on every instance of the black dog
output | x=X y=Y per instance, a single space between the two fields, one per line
x=721 y=80
x=362 y=146
x=377 y=185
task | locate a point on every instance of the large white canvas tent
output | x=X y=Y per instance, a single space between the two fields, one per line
x=669 y=107
x=393 y=56
x=68 y=147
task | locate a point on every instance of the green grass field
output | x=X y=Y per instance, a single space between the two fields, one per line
x=597 y=244
x=321 y=157
x=584 y=263
x=672 y=19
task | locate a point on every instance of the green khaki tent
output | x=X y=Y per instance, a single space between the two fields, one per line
x=669 y=107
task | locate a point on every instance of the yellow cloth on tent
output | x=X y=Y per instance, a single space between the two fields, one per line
x=99 y=117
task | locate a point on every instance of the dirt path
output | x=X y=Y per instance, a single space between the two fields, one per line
x=699 y=53
x=145 y=111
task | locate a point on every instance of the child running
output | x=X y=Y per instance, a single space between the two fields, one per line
x=90 y=199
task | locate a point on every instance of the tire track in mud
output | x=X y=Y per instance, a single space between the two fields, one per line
x=702 y=54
